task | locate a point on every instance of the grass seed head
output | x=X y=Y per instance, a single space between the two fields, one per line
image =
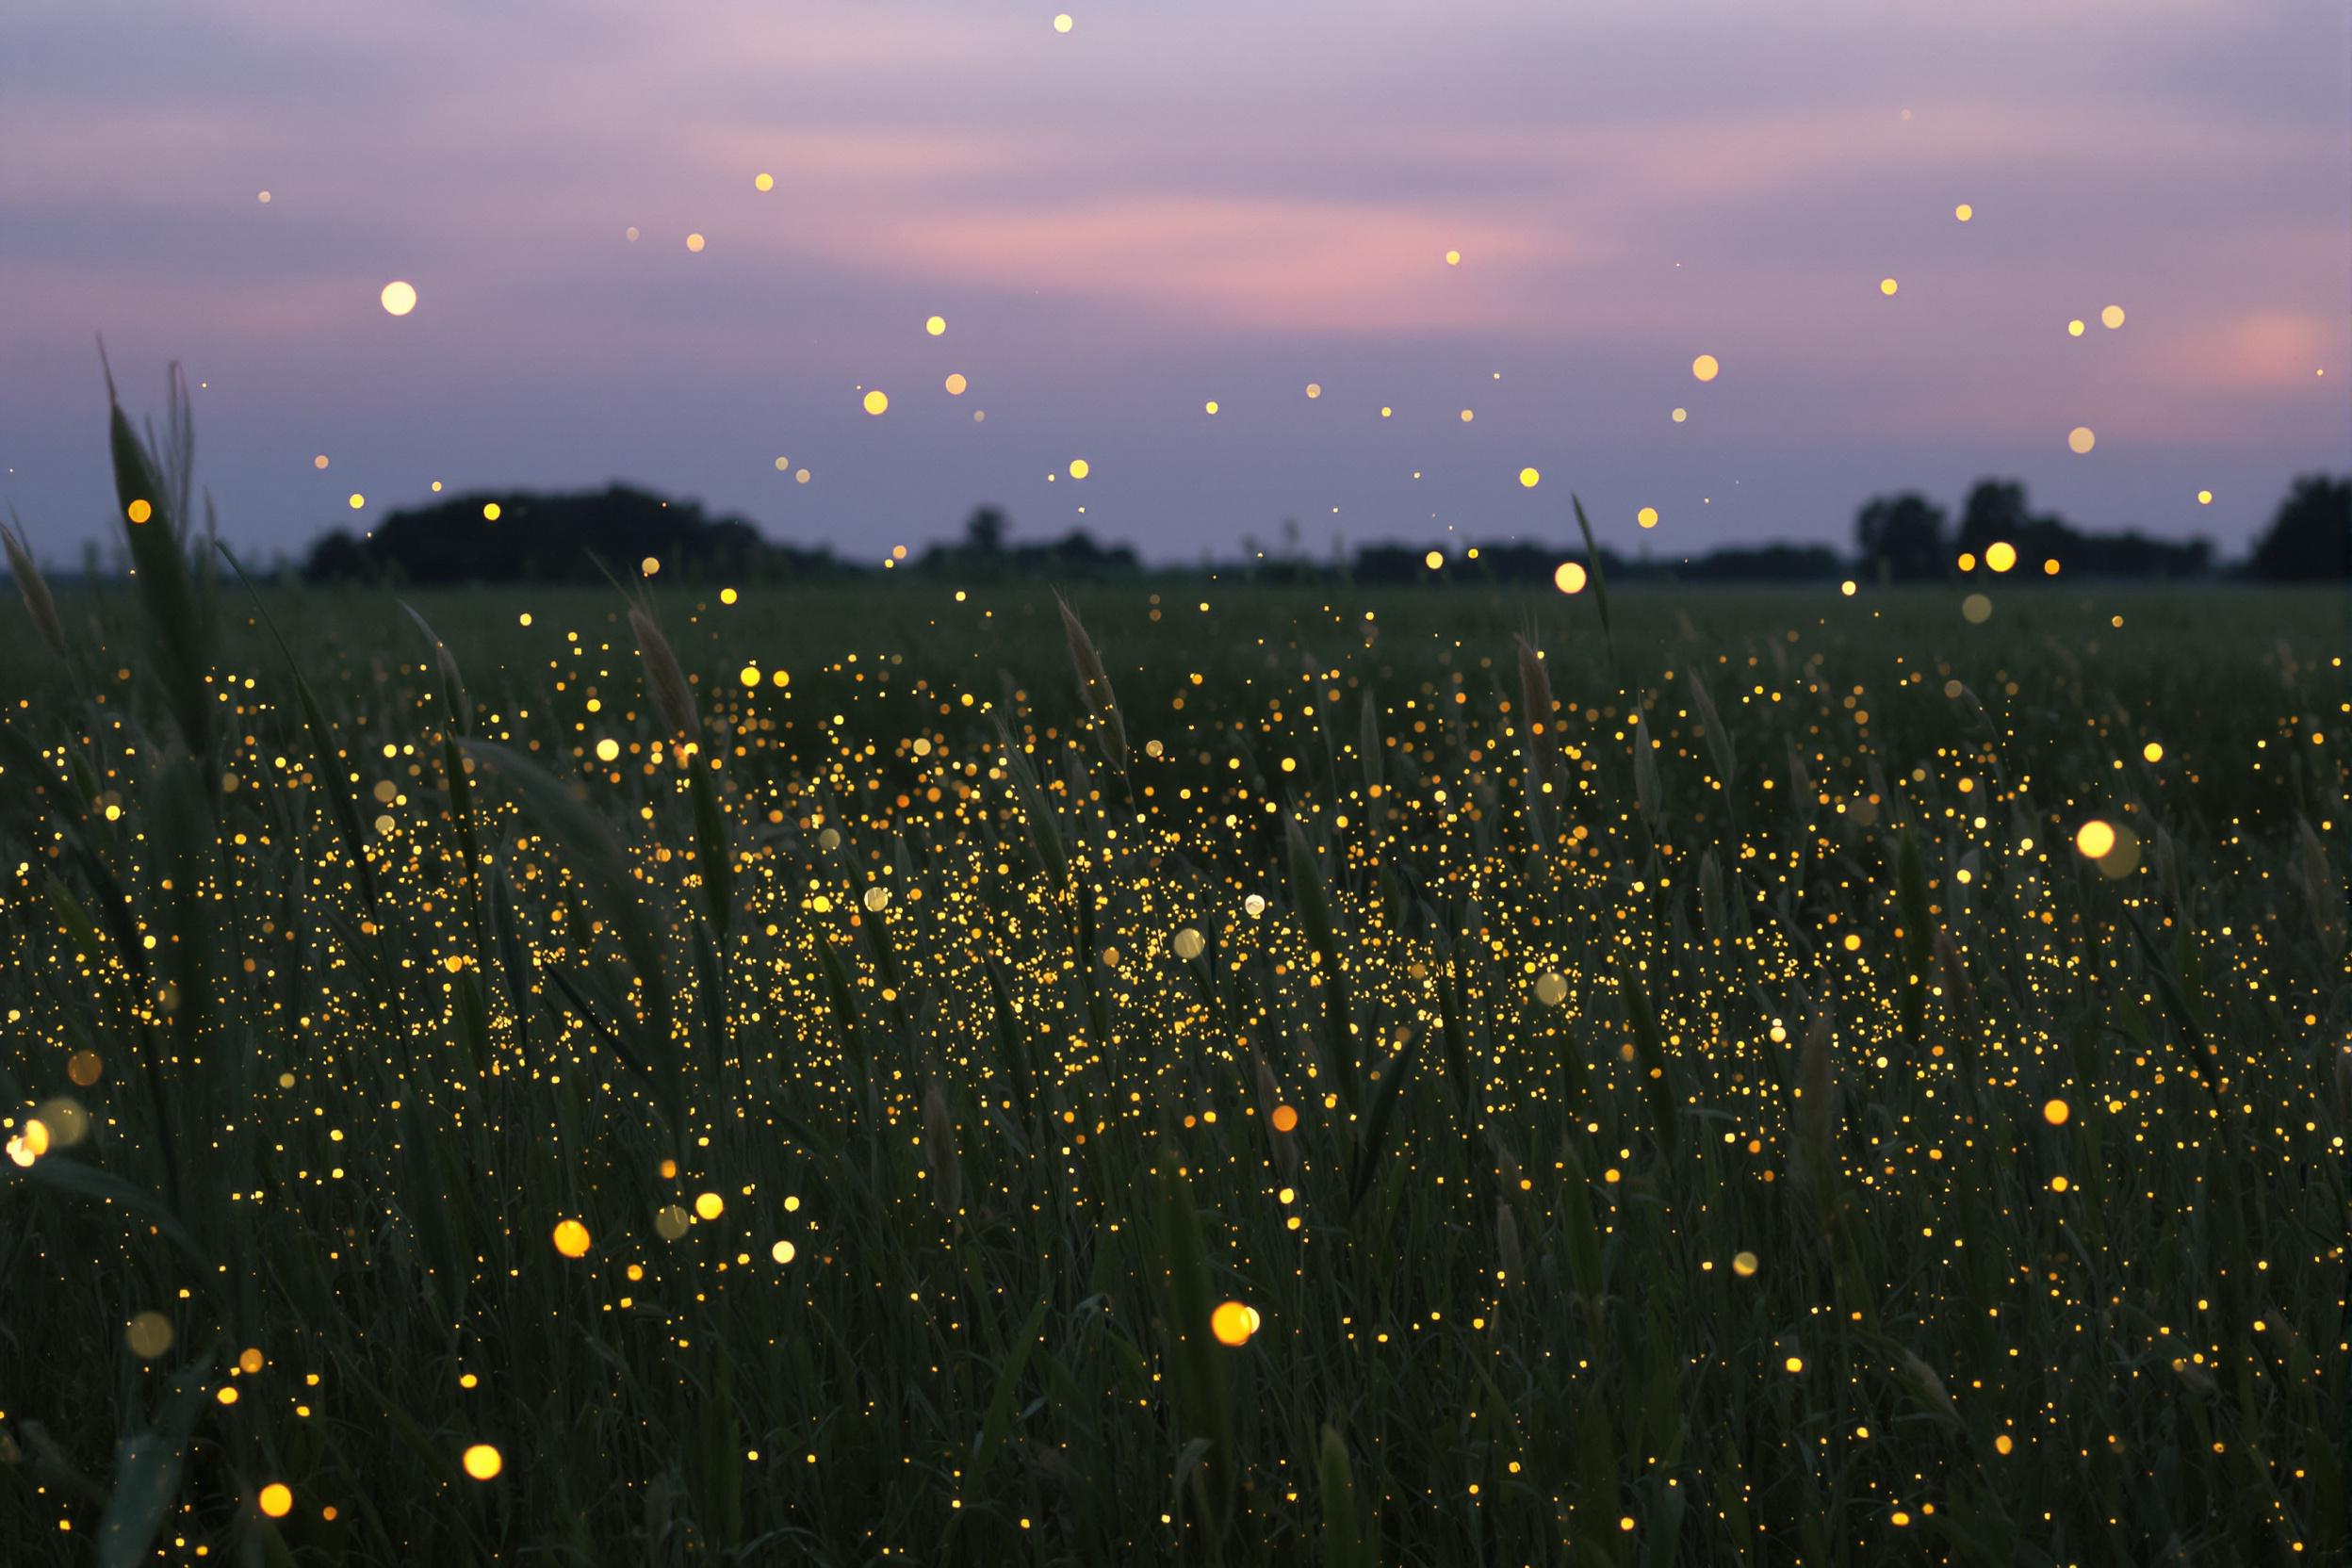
x=939 y=1144
x=664 y=681
x=34 y=590
x=1094 y=689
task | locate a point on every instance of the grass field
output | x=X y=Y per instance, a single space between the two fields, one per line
x=1690 y=1097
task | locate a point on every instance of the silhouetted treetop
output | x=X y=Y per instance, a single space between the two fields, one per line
x=2311 y=536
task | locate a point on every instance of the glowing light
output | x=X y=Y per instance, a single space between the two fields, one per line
x=2079 y=439
x=1315 y=389
x=2095 y=838
x=650 y=565
x=1551 y=988
x=695 y=243
x=1189 y=943
x=1467 y=416
x=139 y=511
x=2111 y=317
x=878 y=401
x=2152 y=752
x=29 y=1145
x=956 y=383
x=1233 y=1323
x=149 y=1335
x=1433 y=560
x=2074 y=329
x=1569 y=578
x=1680 y=414
x=1964 y=212
x=571 y=1239
x=2204 y=497
x=358 y=500
x=1968 y=562
x=710 y=1205
x=1062 y=23
x=630 y=234
x=490 y=512
x=2055 y=1112
x=318 y=462
x=1743 y=1265
x=1647 y=517
x=1976 y=609
x=1847 y=588
x=877 y=899
x=276 y=1499
x=1079 y=467
x=263 y=197
x=1453 y=258
x=1530 y=479
x=764 y=182
x=2000 y=555
x=398 y=297
x=482 y=1462
x=1210 y=406
x=728 y=596
x=1286 y=1118
x=608 y=750
x=1793 y=1364
x=1888 y=287
x=1704 y=367
x=783 y=1252
x=935 y=325
x=749 y=674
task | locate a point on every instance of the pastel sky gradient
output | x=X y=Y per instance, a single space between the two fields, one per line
x=1174 y=202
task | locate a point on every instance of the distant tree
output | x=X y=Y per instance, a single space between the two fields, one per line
x=555 y=538
x=1390 y=564
x=1510 y=562
x=337 y=557
x=1764 y=564
x=1995 y=509
x=2311 y=536
x=984 y=534
x=1904 y=535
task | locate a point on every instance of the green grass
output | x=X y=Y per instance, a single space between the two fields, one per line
x=991 y=1035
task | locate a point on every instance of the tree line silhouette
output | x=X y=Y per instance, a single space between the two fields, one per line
x=523 y=536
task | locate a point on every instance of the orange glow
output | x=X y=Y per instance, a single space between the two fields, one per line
x=1233 y=1323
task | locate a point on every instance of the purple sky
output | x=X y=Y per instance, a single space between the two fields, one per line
x=1174 y=202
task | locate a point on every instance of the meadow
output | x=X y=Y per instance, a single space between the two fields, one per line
x=1238 y=1074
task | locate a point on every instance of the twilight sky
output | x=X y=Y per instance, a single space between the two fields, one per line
x=1171 y=203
